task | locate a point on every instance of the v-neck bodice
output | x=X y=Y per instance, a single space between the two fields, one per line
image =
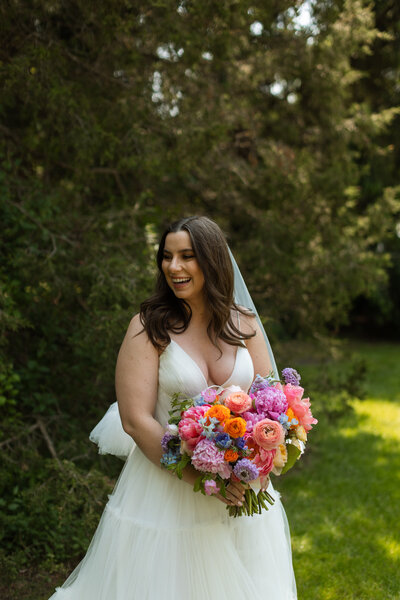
x=201 y=371
x=179 y=372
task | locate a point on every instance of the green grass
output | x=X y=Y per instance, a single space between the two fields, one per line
x=343 y=498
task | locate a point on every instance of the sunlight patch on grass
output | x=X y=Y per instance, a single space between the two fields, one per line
x=379 y=418
x=390 y=546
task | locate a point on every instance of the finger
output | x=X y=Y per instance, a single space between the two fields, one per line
x=235 y=492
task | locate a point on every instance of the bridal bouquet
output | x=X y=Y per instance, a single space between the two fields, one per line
x=227 y=434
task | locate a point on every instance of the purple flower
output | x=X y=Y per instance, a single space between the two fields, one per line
x=251 y=419
x=223 y=440
x=210 y=487
x=259 y=383
x=167 y=437
x=207 y=457
x=240 y=443
x=245 y=470
x=291 y=376
x=271 y=402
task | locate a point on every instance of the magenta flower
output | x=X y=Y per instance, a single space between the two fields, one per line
x=251 y=419
x=271 y=402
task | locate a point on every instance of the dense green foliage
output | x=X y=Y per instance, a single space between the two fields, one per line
x=116 y=117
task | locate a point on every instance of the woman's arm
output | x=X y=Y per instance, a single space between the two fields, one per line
x=256 y=346
x=136 y=384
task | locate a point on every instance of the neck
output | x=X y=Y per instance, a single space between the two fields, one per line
x=200 y=311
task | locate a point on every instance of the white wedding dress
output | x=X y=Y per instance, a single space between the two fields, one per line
x=158 y=540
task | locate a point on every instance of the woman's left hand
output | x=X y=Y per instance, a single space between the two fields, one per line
x=234 y=492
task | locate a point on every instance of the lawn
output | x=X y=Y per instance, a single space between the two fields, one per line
x=343 y=499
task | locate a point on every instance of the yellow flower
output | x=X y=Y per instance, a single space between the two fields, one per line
x=280 y=458
x=301 y=433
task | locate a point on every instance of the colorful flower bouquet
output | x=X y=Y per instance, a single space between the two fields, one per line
x=227 y=434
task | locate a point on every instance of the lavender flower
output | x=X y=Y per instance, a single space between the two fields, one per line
x=167 y=437
x=291 y=376
x=271 y=402
x=245 y=470
x=259 y=383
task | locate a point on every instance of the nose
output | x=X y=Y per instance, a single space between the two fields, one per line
x=175 y=264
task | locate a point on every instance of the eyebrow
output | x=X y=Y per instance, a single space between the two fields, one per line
x=184 y=250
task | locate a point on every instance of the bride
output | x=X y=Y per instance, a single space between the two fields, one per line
x=156 y=538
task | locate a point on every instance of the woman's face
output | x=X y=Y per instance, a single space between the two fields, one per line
x=180 y=267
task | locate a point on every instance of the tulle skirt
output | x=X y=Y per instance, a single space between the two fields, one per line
x=157 y=539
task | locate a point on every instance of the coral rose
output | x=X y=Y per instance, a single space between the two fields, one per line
x=299 y=405
x=219 y=412
x=268 y=434
x=235 y=427
x=264 y=461
x=238 y=402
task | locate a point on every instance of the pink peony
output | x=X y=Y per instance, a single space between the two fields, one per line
x=209 y=395
x=264 y=461
x=210 y=487
x=268 y=434
x=271 y=402
x=238 y=402
x=207 y=457
x=299 y=405
x=251 y=419
x=225 y=470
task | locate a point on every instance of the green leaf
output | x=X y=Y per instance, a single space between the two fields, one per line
x=293 y=454
x=197 y=484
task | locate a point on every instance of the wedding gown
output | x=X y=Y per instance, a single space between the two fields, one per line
x=157 y=539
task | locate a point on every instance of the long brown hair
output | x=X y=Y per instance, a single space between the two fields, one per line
x=164 y=312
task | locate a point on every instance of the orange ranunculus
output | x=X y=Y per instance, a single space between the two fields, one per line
x=231 y=455
x=290 y=415
x=218 y=411
x=235 y=427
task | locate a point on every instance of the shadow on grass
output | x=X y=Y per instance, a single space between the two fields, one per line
x=342 y=504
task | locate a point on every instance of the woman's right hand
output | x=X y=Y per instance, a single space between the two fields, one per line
x=234 y=491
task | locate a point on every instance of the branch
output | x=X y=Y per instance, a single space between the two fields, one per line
x=49 y=442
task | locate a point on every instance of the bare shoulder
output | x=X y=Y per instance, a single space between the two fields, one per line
x=136 y=344
x=256 y=344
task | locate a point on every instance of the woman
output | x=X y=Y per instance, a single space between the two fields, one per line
x=156 y=538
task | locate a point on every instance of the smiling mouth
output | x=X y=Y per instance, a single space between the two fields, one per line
x=180 y=281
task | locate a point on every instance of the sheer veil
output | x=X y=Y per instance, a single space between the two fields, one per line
x=243 y=298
